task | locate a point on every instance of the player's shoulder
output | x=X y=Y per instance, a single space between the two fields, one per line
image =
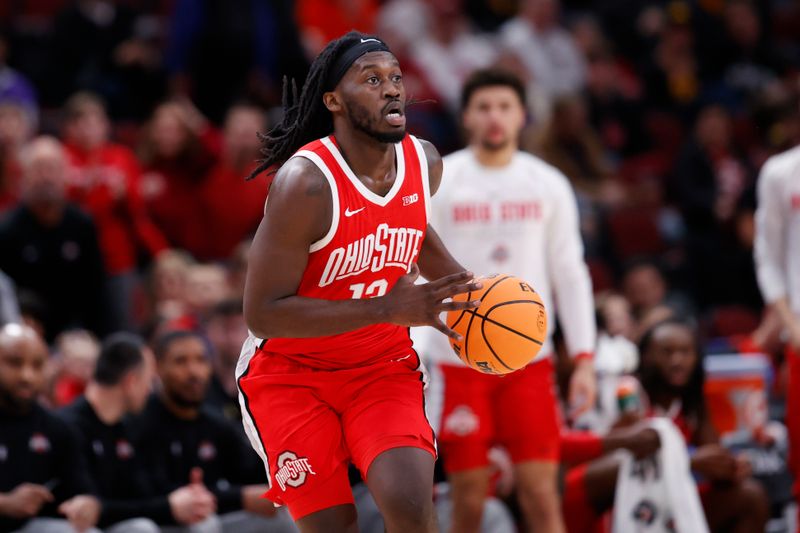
x=301 y=174
x=782 y=165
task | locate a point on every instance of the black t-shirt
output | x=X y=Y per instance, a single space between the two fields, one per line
x=62 y=265
x=116 y=467
x=37 y=447
x=173 y=446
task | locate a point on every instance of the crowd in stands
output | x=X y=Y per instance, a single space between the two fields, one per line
x=127 y=129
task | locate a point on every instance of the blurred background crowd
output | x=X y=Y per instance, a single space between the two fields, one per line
x=127 y=128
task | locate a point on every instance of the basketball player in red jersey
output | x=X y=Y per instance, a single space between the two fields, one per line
x=328 y=375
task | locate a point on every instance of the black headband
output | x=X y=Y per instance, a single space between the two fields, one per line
x=346 y=58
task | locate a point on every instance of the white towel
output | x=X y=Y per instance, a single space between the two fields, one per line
x=657 y=494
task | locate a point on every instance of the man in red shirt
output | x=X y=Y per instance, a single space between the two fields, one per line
x=104 y=181
x=232 y=207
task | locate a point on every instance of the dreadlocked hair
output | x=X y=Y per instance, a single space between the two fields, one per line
x=305 y=117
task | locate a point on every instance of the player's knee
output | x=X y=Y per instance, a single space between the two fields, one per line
x=405 y=510
x=540 y=494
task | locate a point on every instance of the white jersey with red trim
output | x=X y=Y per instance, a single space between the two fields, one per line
x=520 y=219
x=777 y=243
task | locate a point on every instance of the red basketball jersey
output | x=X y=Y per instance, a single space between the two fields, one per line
x=372 y=241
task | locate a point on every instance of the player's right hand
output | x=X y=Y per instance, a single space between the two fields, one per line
x=409 y=304
x=25 y=500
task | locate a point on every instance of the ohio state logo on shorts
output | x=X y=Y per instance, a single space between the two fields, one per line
x=292 y=470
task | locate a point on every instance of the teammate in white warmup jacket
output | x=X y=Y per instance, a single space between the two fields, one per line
x=500 y=210
x=777 y=254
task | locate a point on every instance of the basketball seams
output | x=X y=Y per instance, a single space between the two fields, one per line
x=501 y=325
x=469 y=298
x=489 y=345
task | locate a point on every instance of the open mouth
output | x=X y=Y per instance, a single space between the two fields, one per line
x=394 y=114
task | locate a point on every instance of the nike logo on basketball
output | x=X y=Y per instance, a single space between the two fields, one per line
x=349 y=213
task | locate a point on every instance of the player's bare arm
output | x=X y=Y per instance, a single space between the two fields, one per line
x=299 y=213
x=435 y=260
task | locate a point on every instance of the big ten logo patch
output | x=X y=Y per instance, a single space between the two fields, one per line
x=461 y=421
x=292 y=470
x=410 y=199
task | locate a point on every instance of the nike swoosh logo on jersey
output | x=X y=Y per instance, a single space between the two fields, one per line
x=349 y=213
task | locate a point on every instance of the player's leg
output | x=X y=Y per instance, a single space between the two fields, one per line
x=338 y=519
x=469 y=490
x=528 y=425
x=739 y=507
x=537 y=491
x=401 y=481
x=299 y=438
x=465 y=436
x=793 y=419
x=392 y=443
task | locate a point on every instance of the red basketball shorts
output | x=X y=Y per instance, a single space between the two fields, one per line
x=309 y=424
x=517 y=411
x=793 y=416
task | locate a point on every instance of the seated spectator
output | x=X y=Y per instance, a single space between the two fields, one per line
x=177 y=148
x=42 y=473
x=16 y=129
x=225 y=328
x=546 y=49
x=646 y=290
x=585 y=454
x=614 y=357
x=671 y=373
x=180 y=437
x=231 y=207
x=104 y=180
x=50 y=247
x=120 y=387
x=710 y=178
x=569 y=143
x=206 y=285
x=75 y=359
x=167 y=285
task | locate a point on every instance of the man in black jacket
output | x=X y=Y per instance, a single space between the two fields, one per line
x=121 y=384
x=183 y=441
x=49 y=247
x=42 y=474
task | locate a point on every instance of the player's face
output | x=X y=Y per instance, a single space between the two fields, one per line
x=22 y=371
x=494 y=117
x=373 y=97
x=673 y=353
x=185 y=371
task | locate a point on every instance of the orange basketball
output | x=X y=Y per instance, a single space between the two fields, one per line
x=506 y=331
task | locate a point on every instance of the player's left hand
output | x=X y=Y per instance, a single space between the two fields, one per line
x=82 y=511
x=582 y=388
